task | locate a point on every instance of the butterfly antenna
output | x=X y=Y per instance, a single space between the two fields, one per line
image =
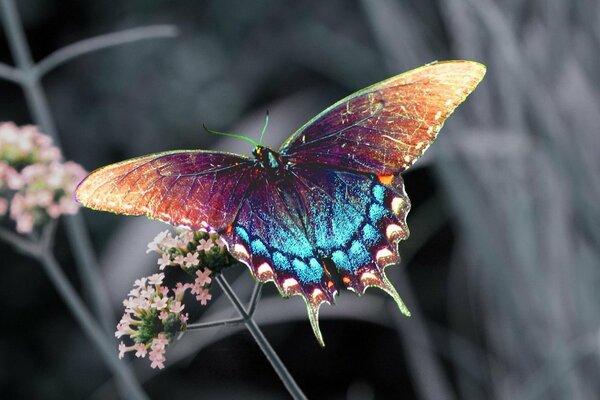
x=246 y=138
x=264 y=128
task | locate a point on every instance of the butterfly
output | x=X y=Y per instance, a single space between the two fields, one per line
x=331 y=197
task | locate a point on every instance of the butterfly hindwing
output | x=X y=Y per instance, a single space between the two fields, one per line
x=385 y=128
x=269 y=236
x=356 y=221
x=197 y=189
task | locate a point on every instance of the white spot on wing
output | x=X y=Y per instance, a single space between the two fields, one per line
x=397 y=203
x=392 y=230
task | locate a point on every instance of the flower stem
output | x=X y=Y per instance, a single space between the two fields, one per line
x=121 y=372
x=212 y=324
x=261 y=340
x=36 y=100
x=254 y=298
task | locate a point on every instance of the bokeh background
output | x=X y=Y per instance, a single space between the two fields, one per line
x=501 y=272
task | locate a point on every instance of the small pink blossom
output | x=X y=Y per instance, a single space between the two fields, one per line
x=122 y=349
x=203 y=277
x=140 y=282
x=155 y=244
x=204 y=296
x=191 y=260
x=176 y=307
x=157 y=357
x=163 y=316
x=180 y=289
x=163 y=290
x=159 y=303
x=161 y=342
x=204 y=245
x=164 y=261
x=179 y=260
x=185 y=237
x=140 y=350
x=14 y=181
x=220 y=243
x=156 y=279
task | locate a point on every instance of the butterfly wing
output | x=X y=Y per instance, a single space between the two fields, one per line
x=356 y=221
x=386 y=127
x=270 y=236
x=188 y=188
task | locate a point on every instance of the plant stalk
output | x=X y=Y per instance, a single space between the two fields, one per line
x=280 y=368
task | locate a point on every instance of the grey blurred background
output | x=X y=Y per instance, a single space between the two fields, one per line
x=502 y=270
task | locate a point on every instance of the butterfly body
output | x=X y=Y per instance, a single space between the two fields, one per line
x=332 y=195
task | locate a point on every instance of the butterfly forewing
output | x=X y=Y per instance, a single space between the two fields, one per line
x=385 y=128
x=187 y=188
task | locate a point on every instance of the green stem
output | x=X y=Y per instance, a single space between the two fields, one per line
x=261 y=340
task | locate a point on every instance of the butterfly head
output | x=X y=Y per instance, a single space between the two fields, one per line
x=267 y=158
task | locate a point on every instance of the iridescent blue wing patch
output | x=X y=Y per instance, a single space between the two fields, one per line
x=356 y=220
x=269 y=235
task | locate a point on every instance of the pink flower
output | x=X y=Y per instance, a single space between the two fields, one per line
x=163 y=316
x=191 y=259
x=185 y=237
x=203 y=297
x=122 y=349
x=180 y=289
x=140 y=282
x=157 y=357
x=156 y=279
x=203 y=277
x=164 y=261
x=159 y=303
x=204 y=245
x=14 y=180
x=179 y=260
x=140 y=350
x=161 y=342
x=220 y=242
x=155 y=244
x=24 y=223
x=176 y=307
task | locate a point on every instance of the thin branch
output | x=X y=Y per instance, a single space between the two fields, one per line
x=101 y=42
x=94 y=332
x=261 y=340
x=19 y=242
x=47 y=239
x=16 y=37
x=10 y=73
x=254 y=298
x=92 y=281
x=211 y=324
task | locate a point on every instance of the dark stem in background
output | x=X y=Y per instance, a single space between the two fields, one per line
x=28 y=76
x=259 y=337
x=36 y=100
x=40 y=249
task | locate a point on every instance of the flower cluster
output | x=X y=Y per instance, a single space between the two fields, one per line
x=154 y=312
x=35 y=184
x=153 y=316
